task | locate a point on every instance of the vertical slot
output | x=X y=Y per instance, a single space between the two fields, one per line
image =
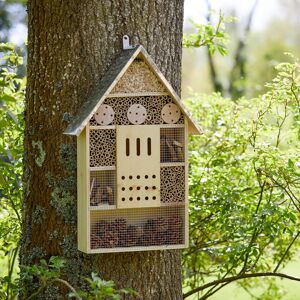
x=149 y=146
x=138 y=147
x=127 y=147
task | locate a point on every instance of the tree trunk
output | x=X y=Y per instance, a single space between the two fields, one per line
x=71 y=44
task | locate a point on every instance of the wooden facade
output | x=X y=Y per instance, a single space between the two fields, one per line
x=132 y=161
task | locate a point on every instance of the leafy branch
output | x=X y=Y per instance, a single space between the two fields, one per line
x=212 y=36
x=238 y=277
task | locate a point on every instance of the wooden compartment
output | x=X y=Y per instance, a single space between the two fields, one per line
x=102 y=145
x=103 y=190
x=172 y=145
x=138 y=229
x=132 y=160
x=173 y=190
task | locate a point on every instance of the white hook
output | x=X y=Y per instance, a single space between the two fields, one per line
x=126 y=44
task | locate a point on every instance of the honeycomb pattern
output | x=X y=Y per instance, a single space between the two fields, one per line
x=172 y=184
x=102 y=147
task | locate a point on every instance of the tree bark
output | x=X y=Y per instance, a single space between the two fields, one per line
x=71 y=44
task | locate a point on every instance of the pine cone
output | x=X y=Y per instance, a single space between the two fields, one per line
x=175 y=238
x=149 y=226
x=100 y=228
x=95 y=241
x=110 y=239
x=121 y=229
x=175 y=223
x=133 y=235
x=162 y=224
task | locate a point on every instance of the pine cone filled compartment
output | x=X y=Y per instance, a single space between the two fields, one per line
x=137 y=229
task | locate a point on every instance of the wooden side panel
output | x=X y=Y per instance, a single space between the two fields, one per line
x=138 y=166
x=186 y=219
x=82 y=191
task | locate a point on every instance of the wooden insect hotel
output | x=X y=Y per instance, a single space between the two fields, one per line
x=132 y=160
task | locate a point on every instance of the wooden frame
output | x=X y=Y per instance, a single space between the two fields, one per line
x=82 y=191
x=85 y=211
x=161 y=225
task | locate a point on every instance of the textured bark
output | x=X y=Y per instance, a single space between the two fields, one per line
x=70 y=46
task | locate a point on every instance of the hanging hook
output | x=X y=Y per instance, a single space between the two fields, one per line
x=126 y=44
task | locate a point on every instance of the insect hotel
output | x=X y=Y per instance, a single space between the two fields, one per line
x=132 y=160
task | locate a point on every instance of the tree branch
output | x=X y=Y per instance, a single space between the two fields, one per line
x=67 y=284
x=217 y=85
x=239 y=277
x=286 y=251
x=280 y=124
x=238 y=69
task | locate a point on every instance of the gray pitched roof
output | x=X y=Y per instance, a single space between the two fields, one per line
x=108 y=82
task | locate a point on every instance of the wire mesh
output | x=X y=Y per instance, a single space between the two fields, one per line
x=137 y=227
x=171 y=145
x=102 y=188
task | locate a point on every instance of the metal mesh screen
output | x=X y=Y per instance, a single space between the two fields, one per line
x=171 y=145
x=137 y=228
x=102 y=188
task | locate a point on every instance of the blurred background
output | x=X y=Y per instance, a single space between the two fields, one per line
x=262 y=32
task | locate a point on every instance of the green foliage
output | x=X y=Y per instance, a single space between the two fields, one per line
x=49 y=273
x=244 y=183
x=45 y=271
x=12 y=91
x=101 y=289
x=212 y=36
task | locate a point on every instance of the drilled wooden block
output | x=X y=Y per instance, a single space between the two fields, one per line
x=104 y=115
x=138 y=166
x=170 y=113
x=153 y=105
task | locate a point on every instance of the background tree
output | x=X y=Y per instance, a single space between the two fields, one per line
x=11 y=12
x=70 y=46
x=255 y=47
